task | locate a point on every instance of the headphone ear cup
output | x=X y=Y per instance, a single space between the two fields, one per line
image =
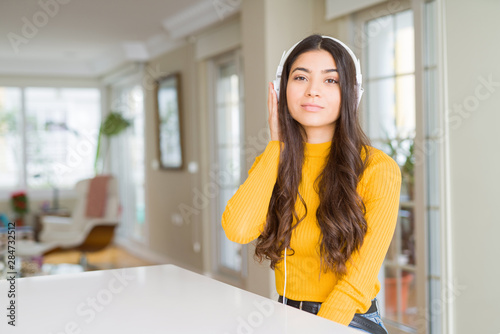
x=360 y=94
x=276 y=84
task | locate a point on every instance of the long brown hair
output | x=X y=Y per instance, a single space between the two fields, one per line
x=340 y=214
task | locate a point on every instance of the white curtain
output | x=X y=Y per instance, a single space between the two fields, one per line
x=125 y=159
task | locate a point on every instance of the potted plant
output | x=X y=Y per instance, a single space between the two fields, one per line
x=19 y=204
x=402 y=151
x=113 y=125
x=391 y=300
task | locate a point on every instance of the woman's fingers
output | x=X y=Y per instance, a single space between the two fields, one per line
x=272 y=105
x=269 y=99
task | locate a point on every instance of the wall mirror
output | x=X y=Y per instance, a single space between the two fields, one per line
x=169 y=122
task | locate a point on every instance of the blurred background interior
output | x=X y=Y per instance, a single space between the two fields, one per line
x=125 y=126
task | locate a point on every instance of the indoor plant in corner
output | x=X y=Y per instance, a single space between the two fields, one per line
x=113 y=125
x=401 y=149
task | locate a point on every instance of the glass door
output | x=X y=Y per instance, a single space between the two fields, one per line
x=398 y=45
x=390 y=120
x=126 y=159
x=227 y=161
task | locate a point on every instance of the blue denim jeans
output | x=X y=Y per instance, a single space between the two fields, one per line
x=375 y=317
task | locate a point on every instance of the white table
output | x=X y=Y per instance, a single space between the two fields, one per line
x=152 y=299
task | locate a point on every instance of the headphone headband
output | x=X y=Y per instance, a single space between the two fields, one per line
x=359 y=77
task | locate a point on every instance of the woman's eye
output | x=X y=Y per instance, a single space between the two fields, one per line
x=331 y=81
x=299 y=78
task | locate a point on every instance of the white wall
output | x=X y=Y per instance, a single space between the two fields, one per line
x=168 y=190
x=473 y=52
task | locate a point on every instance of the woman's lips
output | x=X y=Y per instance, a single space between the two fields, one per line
x=311 y=107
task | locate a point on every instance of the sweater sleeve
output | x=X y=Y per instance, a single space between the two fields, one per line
x=246 y=211
x=380 y=192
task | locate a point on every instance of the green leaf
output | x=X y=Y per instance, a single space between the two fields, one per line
x=113 y=125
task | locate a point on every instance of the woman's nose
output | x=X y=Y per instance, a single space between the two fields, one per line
x=312 y=90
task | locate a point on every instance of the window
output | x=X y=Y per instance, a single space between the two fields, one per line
x=126 y=160
x=10 y=137
x=49 y=136
x=391 y=126
x=401 y=115
x=228 y=152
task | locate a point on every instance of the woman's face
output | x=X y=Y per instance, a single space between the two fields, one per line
x=313 y=94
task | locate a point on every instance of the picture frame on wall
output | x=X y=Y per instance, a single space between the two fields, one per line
x=168 y=116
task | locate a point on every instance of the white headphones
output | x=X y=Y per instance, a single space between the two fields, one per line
x=359 y=77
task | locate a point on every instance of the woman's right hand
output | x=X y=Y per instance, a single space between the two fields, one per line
x=272 y=106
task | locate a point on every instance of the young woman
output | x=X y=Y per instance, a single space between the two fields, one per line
x=321 y=202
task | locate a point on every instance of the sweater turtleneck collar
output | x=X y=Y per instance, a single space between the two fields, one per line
x=317 y=150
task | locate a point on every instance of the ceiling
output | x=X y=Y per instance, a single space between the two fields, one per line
x=92 y=37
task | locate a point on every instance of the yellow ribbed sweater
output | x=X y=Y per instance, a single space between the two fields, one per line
x=245 y=216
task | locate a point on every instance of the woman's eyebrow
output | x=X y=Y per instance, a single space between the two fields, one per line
x=309 y=71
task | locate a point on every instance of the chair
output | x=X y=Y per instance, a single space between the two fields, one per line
x=80 y=232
